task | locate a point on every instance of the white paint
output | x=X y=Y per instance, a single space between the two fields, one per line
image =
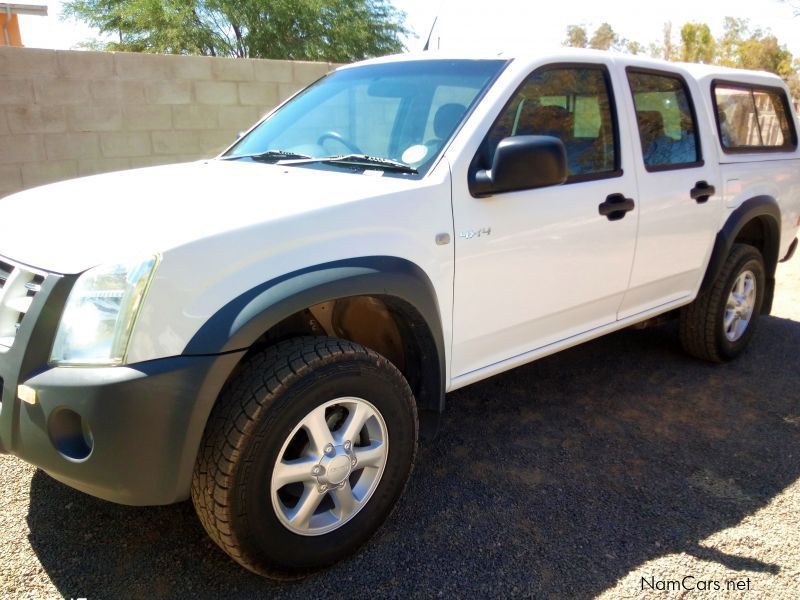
x=551 y=273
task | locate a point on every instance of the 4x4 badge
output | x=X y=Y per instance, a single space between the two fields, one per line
x=468 y=235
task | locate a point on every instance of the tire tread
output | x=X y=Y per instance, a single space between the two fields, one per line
x=698 y=320
x=262 y=378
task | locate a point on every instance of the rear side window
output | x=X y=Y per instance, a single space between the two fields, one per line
x=753 y=119
x=665 y=116
x=572 y=103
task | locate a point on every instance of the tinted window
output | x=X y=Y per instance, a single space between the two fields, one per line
x=753 y=119
x=572 y=104
x=667 y=128
x=769 y=109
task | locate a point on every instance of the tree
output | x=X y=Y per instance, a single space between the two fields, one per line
x=668 y=48
x=767 y=54
x=634 y=47
x=697 y=43
x=604 y=38
x=331 y=30
x=740 y=46
x=748 y=48
x=793 y=80
x=576 y=37
x=735 y=30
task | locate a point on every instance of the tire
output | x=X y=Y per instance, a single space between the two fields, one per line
x=267 y=414
x=709 y=327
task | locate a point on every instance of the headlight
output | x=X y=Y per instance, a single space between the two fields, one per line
x=100 y=312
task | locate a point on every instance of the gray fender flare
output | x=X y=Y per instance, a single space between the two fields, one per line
x=402 y=284
x=766 y=209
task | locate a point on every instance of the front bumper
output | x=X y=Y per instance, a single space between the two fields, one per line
x=125 y=434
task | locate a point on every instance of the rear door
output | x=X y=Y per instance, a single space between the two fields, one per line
x=680 y=192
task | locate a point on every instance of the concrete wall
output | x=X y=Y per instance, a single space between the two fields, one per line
x=66 y=114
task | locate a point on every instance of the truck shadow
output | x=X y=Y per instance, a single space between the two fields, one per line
x=558 y=478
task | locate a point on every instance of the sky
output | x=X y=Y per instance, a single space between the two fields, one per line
x=513 y=24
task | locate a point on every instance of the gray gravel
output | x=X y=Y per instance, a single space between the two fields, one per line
x=575 y=476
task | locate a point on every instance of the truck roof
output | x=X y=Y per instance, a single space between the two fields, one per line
x=562 y=54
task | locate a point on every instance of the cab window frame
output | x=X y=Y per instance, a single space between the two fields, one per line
x=617 y=171
x=700 y=162
x=789 y=145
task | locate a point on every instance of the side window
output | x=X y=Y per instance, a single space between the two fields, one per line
x=573 y=104
x=753 y=119
x=771 y=118
x=667 y=127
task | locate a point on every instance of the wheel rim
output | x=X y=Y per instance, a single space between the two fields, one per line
x=740 y=306
x=329 y=466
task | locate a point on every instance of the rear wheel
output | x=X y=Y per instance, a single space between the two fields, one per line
x=719 y=324
x=305 y=455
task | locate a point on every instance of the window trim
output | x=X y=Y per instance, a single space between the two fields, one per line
x=596 y=66
x=791 y=146
x=700 y=162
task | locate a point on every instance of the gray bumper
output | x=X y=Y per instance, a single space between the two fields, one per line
x=125 y=434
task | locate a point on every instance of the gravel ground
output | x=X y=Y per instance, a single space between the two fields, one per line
x=606 y=468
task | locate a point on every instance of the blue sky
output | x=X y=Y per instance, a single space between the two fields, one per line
x=507 y=24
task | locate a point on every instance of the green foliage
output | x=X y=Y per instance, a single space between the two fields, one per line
x=753 y=49
x=634 y=47
x=604 y=38
x=740 y=46
x=331 y=30
x=697 y=43
x=728 y=46
x=576 y=37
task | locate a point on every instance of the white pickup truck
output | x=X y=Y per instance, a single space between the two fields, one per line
x=264 y=332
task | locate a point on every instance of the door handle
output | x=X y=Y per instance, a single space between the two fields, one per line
x=702 y=191
x=615 y=207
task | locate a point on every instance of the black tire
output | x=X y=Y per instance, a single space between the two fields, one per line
x=252 y=419
x=702 y=328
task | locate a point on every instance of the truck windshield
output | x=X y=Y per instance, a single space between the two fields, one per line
x=399 y=113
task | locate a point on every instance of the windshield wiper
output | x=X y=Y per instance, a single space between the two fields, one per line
x=269 y=156
x=361 y=160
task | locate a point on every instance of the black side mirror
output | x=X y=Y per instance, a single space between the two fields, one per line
x=522 y=162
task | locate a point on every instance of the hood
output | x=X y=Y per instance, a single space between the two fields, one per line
x=72 y=226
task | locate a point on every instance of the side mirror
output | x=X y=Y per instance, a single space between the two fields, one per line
x=522 y=162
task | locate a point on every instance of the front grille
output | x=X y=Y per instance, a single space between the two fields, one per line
x=18 y=287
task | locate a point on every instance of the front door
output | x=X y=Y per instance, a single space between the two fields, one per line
x=538 y=266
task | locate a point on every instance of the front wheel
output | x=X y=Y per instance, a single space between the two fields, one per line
x=718 y=325
x=305 y=455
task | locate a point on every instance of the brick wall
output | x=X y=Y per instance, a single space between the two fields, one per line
x=66 y=114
